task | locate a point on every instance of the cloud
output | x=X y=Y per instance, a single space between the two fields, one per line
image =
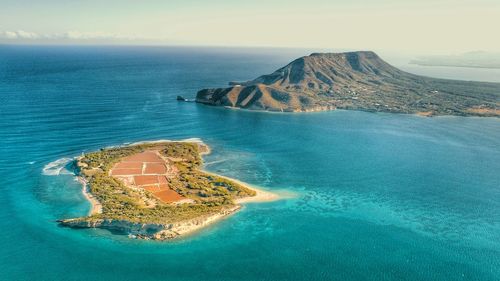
x=20 y=34
x=68 y=36
x=76 y=35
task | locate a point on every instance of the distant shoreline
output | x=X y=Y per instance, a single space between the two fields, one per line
x=453 y=65
x=417 y=114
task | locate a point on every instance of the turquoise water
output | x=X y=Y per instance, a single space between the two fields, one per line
x=377 y=196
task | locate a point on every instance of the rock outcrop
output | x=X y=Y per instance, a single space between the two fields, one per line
x=150 y=230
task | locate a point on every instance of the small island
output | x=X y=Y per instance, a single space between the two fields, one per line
x=156 y=190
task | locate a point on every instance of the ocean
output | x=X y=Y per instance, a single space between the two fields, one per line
x=371 y=196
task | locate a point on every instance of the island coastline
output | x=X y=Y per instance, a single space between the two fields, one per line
x=261 y=194
x=158 y=231
x=95 y=205
x=358 y=80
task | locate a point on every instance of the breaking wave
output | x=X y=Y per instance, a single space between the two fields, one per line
x=195 y=140
x=58 y=167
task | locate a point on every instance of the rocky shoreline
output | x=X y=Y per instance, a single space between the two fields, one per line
x=151 y=231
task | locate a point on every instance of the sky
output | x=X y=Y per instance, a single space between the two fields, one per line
x=424 y=26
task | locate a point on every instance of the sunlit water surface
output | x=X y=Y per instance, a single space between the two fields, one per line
x=377 y=196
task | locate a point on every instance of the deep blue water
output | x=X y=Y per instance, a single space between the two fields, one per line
x=377 y=196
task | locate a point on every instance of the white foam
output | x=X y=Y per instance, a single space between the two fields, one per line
x=57 y=167
x=195 y=140
x=215 y=162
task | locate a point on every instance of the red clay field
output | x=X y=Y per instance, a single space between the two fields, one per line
x=147 y=170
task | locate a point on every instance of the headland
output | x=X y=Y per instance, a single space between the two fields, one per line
x=355 y=81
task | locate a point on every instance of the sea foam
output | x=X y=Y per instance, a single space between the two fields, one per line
x=194 y=140
x=57 y=167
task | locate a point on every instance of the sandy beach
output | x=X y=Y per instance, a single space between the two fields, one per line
x=95 y=206
x=261 y=195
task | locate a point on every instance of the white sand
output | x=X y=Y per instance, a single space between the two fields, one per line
x=96 y=207
x=261 y=196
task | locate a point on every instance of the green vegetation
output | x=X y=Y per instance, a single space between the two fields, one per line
x=209 y=193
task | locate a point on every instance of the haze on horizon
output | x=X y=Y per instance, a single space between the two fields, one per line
x=423 y=26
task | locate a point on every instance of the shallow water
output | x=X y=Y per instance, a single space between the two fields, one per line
x=379 y=196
